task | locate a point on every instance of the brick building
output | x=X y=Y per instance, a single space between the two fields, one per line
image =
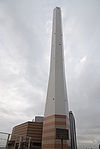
x=27 y=134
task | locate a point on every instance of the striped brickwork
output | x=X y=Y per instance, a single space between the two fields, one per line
x=50 y=124
x=26 y=130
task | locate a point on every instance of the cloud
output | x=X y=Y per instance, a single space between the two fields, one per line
x=25 y=28
x=83 y=60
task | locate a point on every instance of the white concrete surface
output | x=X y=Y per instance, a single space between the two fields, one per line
x=56 y=101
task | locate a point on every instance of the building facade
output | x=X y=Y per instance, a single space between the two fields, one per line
x=26 y=136
x=72 y=131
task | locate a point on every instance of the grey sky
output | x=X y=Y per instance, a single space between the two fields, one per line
x=25 y=43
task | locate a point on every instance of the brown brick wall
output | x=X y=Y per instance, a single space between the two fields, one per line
x=50 y=124
x=26 y=130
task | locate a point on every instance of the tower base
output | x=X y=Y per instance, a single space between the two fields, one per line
x=50 y=124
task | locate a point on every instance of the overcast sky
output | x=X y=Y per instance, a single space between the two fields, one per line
x=25 y=44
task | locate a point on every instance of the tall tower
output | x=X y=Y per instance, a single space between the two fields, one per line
x=56 y=117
